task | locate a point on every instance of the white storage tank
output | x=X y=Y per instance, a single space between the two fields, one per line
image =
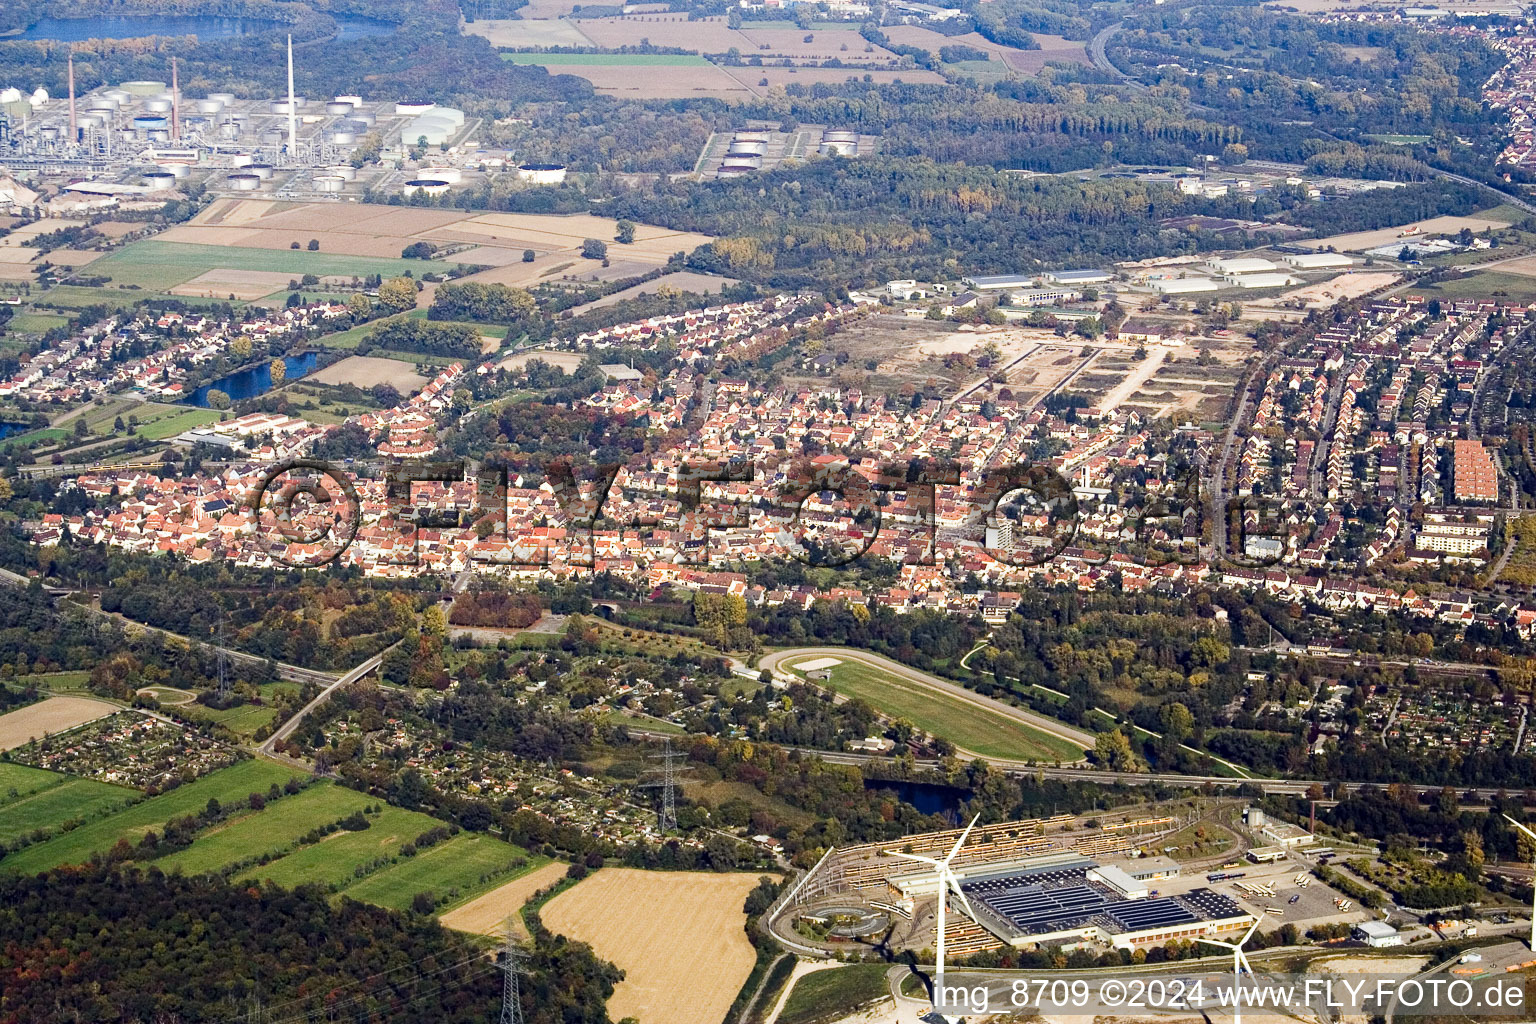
x=143 y=88
x=243 y=182
x=338 y=108
x=158 y=105
x=159 y=181
x=117 y=96
x=346 y=172
x=408 y=108
x=226 y=98
x=425 y=186
x=344 y=138
x=241 y=160
x=176 y=170
x=262 y=171
x=209 y=106
x=330 y=183
x=448 y=174
x=542 y=174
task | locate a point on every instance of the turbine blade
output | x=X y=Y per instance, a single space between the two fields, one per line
x=954 y=885
x=961 y=841
x=916 y=857
x=1529 y=834
x=1249 y=933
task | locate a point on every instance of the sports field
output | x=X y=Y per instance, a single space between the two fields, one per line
x=230 y=784
x=335 y=860
x=269 y=830
x=968 y=725
x=677 y=935
x=452 y=872
x=32 y=799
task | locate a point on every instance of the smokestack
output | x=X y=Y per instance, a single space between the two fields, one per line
x=74 y=130
x=175 y=104
x=293 y=116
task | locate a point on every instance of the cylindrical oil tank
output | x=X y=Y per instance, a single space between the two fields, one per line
x=243 y=182
x=330 y=183
x=90 y=120
x=363 y=117
x=733 y=171
x=226 y=98
x=241 y=160
x=542 y=174
x=262 y=171
x=144 y=88
x=346 y=172
x=117 y=96
x=739 y=148
x=451 y=114
x=837 y=135
x=409 y=107
x=338 y=108
x=448 y=174
x=229 y=130
x=157 y=106
x=740 y=165
x=750 y=136
x=279 y=106
x=344 y=138
x=425 y=186
x=158 y=135
x=146 y=123
x=159 y=180
x=209 y=106
x=176 y=170
x=349 y=124
x=102 y=103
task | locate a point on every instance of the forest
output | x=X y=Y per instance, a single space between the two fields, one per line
x=121 y=944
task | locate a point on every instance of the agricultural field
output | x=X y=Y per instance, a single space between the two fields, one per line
x=1487 y=220
x=616 y=60
x=236 y=782
x=160 y=264
x=270 y=830
x=662 y=929
x=834 y=993
x=50 y=717
x=973 y=727
x=36 y=323
x=489 y=914
x=169 y=426
x=33 y=799
x=367 y=371
x=1483 y=284
x=451 y=872
x=336 y=859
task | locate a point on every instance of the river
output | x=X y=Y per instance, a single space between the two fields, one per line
x=253 y=380
x=205 y=26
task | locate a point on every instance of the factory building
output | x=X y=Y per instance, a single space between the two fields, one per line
x=1079 y=278
x=1276 y=280
x=1183 y=285
x=1377 y=934
x=1317 y=260
x=1235 y=267
x=998 y=282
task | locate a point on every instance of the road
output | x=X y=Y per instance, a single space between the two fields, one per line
x=773 y=663
x=287 y=728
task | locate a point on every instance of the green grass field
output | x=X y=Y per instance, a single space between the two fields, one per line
x=36 y=323
x=450 y=871
x=157 y=265
x=977 y=729
x=1483 y=284
x=267 y=831
x=68 y=296
x=610 y=60
x=31 y=799
x=45 y=434
x=832 y=994
x=170 y=426
x=57 y=682
x=334 y=860
x=233 y=783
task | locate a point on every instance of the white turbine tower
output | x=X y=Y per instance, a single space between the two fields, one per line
x=947 y=884
x=1532 y=837
x=1240 y=965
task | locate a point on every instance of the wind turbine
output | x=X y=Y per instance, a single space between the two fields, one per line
x=947 y=883
x=1240 y=964
x=1532 y=837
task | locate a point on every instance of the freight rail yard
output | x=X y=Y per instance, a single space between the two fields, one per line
x=1067 y=882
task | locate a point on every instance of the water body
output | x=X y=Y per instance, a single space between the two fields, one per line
x=928 y=797
x=11 y=429
x=206 y=27
x=254 y=380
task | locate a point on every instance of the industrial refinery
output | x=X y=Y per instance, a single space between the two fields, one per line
x=129 y=140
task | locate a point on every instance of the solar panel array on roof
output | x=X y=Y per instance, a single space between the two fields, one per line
x=1212 y=905
x=1139 y=915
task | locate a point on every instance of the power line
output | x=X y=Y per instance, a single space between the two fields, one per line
x=512 y=968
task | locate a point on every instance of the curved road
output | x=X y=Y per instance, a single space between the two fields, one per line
x=775 y=661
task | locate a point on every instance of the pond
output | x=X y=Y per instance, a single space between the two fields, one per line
x=253 y=380
x=928 y=797
x=205 y=26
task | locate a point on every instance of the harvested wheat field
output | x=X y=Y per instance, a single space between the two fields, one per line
x=242 y=284
x=488 y=914
x=677 y=935
x=53 y=715
x=368 y=371
x=1431 y=228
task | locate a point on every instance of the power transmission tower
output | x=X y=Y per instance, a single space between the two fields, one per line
x=512 y=967
x=667 y=773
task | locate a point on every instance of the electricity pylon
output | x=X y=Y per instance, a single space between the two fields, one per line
x=666 y=818
x=512 y=968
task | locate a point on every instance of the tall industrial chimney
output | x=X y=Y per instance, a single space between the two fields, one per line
x=175 y=104
x=293 y=109
x=74 y=130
